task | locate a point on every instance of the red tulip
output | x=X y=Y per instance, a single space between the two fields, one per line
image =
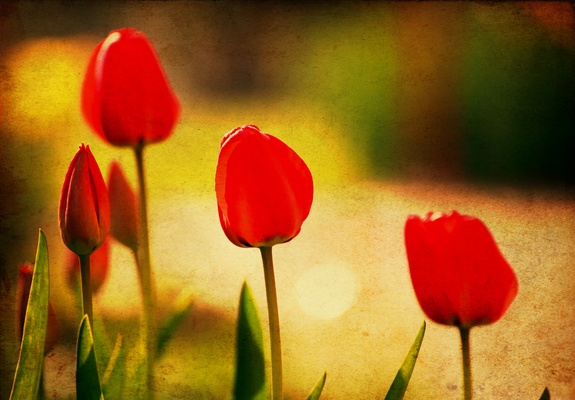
x=264 y=189
x=84 y=208
x=99 y=266
x=123 y=208
x=459 y=275
x=126 y=97
x=22 y=295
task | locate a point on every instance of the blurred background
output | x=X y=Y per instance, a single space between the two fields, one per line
x=397 y=108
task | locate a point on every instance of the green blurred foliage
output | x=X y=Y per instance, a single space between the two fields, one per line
x=518 y=102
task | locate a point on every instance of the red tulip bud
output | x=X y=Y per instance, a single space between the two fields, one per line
x=84 y=208
x=126 y=97
x=264 y=189
x=123 y=208
x=22 y=295
x=99 y=265
x=459 y=275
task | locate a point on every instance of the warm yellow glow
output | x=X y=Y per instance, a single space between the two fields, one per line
x=326 y=291
x=42 y=92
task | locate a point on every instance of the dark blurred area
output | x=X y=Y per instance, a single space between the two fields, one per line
x=474 y=93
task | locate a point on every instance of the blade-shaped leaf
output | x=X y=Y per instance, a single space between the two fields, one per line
x=113 y=379
x=137 y=367
x=102 y=342
x=169 y=328
x=399 y=385
x=545 y=395
x=29 y=369
x=250 y=366
x=316 y=392
x=87 y=379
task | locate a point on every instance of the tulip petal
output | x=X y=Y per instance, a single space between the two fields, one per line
x=488 y=284
x=102 y=203
x=422 y=254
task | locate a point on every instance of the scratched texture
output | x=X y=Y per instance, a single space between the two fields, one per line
x=398 y=109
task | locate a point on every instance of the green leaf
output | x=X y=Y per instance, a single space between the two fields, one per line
x=545 y=395
x=137 y=367
x=169 y=328
x=250 y=368
x=102 y=342
x=113 y=379
x=30 y=361
x=87 y=378
x=316 y=392
x=399 y=385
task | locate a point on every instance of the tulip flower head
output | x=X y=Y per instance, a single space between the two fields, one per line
x=84 y=212
x=99 y=266
x=264 y=189
x=126 y=97
x=124 y=219
x=458 y=273
x=22 y=295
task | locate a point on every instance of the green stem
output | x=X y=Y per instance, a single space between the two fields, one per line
x=147 y=286
x=276 y=348
x=464 y=332
x=86 y=288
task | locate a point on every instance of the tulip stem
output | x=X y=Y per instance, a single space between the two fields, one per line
x=145 y=271
x=464 y=332
x=274 y=321
x=86 y=287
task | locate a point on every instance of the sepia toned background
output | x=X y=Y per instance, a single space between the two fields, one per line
x=397 y=108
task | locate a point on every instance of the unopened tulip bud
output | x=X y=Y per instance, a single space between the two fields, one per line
x=123 y=208
x=84 y=207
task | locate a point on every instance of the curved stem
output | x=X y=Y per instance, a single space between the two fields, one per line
x=86 y=288
x=147 y=286
x=464 y=332
x=276 y=348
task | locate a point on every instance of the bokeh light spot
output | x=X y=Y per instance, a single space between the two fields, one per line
x=326 y=291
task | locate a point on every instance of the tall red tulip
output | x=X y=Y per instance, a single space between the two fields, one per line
x=264 y=189
x=126 y=97
x=123 y=208
x=84 y=207
x=458 y=273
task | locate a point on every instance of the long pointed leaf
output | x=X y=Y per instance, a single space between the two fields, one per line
x=136 y=385
x=545 y=395
x=399 y=385
x=87 y=379
x=113 y=379
x=316 y=392
x=169 y=328
x=250 y=367
x=30 y=362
